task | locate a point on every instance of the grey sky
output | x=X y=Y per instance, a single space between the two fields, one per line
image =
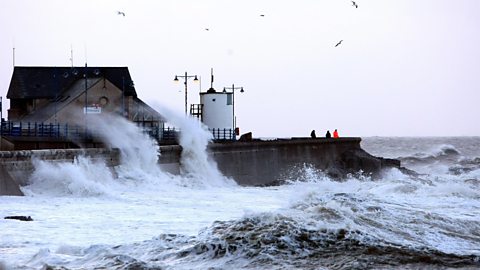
x=404 y=68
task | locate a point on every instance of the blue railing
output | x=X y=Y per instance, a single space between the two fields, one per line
x=75 y=132
x=41 y=130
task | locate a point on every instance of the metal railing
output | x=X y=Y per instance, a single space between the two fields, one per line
x=76 y=132
x=222 y=134
x=164 y=135
x=19 y=129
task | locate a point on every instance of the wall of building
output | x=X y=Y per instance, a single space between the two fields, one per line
x=103 y=93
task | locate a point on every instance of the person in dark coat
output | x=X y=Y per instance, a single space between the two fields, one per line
x=312 y=134
x=328 y=135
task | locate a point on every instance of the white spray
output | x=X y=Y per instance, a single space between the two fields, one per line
x=83 y=177
x=139 y=160
x=196 y=165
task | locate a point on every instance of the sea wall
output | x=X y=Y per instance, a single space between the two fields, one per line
x=259 y=163
x=272 y=162
x=252 y=163
x=17 y=166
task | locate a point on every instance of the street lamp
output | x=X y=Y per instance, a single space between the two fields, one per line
x=86 y=101
x=186 y=77
x=233 y=88
x=1 y=123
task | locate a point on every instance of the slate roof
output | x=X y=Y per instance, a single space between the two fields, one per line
x=50 y=82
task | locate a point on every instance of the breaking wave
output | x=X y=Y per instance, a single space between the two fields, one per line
x=138 y=167
x=82 y=178
x=272 y=241
x=394 y=223
x=442 y=152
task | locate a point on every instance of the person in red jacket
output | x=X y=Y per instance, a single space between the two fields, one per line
x=335 y=134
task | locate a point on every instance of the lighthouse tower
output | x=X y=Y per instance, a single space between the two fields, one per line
x=217 y=113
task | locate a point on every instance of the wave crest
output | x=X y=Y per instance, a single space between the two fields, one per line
x=82 y=177
x=440 y=152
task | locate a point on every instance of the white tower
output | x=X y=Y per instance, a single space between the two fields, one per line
x=217 y=113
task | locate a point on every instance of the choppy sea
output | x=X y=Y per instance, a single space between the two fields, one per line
x=85 y=217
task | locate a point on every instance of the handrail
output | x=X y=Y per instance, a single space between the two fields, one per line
x=76 y=132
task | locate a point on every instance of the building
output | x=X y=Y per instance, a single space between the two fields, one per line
x=57 y=96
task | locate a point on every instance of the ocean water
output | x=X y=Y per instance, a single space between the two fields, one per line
x=85 y=217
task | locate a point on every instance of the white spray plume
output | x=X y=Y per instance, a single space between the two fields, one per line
x=194 y=138
x=83 y=177
x=139 y=152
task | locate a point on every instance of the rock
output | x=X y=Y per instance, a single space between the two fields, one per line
x=22 y=218
x=355 y=160
x=359 y=160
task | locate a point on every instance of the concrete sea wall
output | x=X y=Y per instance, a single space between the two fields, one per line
x=253 y=163
x=257 y=163
x=17 y=166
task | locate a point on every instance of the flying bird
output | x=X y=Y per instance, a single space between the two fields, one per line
x=207 y=29
x=262 y=15
x=121 y=13
x=340 y=42
x=354 y=4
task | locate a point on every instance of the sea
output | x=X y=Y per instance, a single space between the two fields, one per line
x=87 y=216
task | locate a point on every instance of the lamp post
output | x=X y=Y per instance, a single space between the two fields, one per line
x=186 y=77
x=86 y=101
x=233 y=88
x=1 y=122
x=55 y=80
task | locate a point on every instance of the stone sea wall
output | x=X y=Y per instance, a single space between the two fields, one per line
x=17 y=166
x=258 y=163
x=253 y=163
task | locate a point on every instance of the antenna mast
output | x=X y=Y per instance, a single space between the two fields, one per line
x=211 y=81
x=86 y=58
x=71 y=54
x=13 y=51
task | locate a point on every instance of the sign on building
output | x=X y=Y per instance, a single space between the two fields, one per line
x=92 y=110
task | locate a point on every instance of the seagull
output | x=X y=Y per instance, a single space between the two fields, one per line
x=354 y=4
x=262 y=15
x=340 y=42
x=121 y=13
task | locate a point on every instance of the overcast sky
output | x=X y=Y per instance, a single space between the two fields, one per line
x=404 y=68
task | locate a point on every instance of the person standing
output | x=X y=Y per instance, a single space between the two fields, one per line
x=313 y=135
x=328 y=135
x=335 y=134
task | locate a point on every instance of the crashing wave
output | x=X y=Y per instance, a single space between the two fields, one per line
x=441 y=152
x=270 y=241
